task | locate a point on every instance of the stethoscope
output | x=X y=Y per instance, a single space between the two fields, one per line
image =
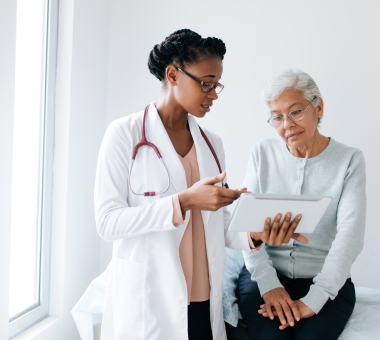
x=145 y=142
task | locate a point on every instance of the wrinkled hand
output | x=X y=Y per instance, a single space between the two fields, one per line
x=276 y=234
x=205 y=195
x=305 y=312
x=278 y=303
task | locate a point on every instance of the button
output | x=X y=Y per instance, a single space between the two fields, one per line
x=216 y=294
x=212 y=260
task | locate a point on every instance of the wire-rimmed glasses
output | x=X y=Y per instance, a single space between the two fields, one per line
x=294 y=116
x=206 y=87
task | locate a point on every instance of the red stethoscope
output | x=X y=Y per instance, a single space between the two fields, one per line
x=145 y=142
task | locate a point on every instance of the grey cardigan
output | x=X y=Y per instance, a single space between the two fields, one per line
x=339 y=172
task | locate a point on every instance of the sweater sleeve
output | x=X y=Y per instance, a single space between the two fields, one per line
x=349 y=241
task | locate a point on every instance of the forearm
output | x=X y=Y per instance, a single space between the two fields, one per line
x=262 y=271
x=115 y=222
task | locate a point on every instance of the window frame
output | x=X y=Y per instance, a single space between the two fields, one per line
x=36 y=313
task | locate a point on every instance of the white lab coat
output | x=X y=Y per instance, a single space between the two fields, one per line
x=147 y=296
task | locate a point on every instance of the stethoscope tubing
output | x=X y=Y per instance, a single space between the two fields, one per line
x=144 y=142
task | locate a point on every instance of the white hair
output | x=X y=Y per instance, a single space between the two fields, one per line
x=294 y=80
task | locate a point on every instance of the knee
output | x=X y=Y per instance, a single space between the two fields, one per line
x=247 y=292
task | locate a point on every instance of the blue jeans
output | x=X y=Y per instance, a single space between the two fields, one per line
x=328 y=324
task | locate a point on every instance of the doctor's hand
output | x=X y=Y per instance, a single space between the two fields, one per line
x=276 y=234
x=205 y=195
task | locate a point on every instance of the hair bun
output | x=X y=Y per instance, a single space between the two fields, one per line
x=183 y=47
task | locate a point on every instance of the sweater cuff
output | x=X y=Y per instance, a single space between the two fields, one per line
x=316 y=298
x=178 y=217
x=267 y=284
x=251 y=245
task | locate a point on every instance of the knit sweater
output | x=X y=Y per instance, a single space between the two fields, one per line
x=339 y=172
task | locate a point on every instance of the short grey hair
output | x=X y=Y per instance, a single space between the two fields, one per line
x=294 y=80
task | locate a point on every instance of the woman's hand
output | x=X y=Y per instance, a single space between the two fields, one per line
x=204 y=195
x=278 y=303
x=276 y=234
x=305 y=312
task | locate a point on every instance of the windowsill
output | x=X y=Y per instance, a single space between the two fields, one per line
x=36 y=329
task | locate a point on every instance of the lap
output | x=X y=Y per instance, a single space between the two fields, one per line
x=327 y=324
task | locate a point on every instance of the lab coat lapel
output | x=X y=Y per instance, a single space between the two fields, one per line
x=206 y=161
x=156 y=134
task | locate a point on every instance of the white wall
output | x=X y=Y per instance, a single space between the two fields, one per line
x=335 y=41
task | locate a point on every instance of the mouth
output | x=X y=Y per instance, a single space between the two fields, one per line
x=206 y=107
x=293 y=135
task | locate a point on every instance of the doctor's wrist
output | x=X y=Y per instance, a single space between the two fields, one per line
x=184 y=201
x=256 y=239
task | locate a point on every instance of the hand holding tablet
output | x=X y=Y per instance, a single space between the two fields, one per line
x=277 y=233
x=253 y=209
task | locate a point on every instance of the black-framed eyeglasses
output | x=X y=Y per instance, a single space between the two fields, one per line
x=206 y=87
x=295 y=116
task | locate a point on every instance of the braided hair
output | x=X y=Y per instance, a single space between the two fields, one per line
x=183 y=47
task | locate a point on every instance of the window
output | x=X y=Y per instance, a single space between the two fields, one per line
x=32 y=162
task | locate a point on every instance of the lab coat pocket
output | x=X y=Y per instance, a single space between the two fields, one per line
x=128 y=299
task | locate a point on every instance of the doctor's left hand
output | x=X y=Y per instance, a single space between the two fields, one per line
x=205 y=195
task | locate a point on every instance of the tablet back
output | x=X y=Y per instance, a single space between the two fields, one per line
x=252 y=210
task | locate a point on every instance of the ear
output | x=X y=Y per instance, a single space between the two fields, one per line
x=320 y=108
x=171 y=75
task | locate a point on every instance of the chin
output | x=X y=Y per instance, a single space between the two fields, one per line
x=199 y=114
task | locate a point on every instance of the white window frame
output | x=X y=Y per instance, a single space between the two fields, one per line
x=38 y=312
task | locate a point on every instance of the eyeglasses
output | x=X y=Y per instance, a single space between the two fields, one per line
x=206 y=87
x=294 y=116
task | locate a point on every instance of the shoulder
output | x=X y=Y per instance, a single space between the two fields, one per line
x=126 y=125
x=211 y=135
x=341 y=150
x=215 y=140
x=128 y=122
x=267 y=147
x=123 y=132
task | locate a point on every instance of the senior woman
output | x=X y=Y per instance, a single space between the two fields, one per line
x=307 y=286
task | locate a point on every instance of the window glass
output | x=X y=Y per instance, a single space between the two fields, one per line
x=27 y=168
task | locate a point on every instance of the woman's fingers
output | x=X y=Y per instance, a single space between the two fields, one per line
x=292 y=228
x=300 y=238
x=283 y=230
x=266 y=232
x=295 y=311
x=282 y=327
x=274 y=230
x=288 y=314
x=269 y=310
x=280 y=313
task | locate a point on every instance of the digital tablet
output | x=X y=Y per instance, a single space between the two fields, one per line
x=252 y=210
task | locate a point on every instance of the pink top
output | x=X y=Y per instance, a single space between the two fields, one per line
x=192 y=249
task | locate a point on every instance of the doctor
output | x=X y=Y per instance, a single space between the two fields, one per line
x=163 y=204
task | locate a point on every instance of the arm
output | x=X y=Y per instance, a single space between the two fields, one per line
x=115 y=219
x=348 y=243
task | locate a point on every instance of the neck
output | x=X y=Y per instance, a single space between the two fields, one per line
x=172 y=115
x=312 y=149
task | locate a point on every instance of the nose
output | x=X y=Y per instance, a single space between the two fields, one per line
x=213 y=95
x=287 y=123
